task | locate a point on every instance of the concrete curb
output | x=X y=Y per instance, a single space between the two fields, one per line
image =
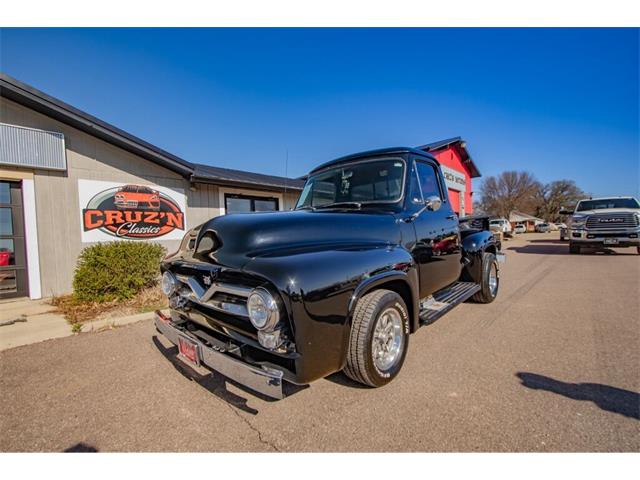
x=47 y=326
x=108 y=323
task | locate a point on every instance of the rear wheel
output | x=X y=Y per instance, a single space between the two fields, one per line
x=573 y=248
x=489 y=280
x=379 y=338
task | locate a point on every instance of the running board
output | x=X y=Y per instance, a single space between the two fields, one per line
x=444 y=300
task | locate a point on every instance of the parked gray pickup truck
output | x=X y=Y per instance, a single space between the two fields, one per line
x=604 y=222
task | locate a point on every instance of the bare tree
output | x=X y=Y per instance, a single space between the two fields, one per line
x=510 y=191
x=555 y=195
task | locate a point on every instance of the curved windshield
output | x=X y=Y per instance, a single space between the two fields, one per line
x=377 y=181
x=607 y=203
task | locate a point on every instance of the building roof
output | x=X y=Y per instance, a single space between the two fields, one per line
x=39 y=101
x=516 y=216
x=462 y=146
x=227 y=176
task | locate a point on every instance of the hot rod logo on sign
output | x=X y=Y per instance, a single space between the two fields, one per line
x=130 y=211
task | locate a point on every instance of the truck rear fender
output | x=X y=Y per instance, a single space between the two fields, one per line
x=474 y=246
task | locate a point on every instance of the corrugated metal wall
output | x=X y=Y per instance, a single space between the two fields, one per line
x=30 y=147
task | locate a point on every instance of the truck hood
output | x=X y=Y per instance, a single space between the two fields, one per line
x=606 y=211
x=241 y=237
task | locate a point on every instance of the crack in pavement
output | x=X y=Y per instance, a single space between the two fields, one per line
x=250 y=425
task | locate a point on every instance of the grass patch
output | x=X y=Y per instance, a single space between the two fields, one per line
x=77 y=311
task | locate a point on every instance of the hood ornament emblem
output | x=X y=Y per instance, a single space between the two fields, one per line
x=212 y=277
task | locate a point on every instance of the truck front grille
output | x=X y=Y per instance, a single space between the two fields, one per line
x=612 y=221
x=224 y=297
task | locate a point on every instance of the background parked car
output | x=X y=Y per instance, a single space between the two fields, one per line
x=543 y=228
x=553 y=227
x=501 y=224
x=520 y=228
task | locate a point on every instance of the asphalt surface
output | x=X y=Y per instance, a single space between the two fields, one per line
x=552 y=365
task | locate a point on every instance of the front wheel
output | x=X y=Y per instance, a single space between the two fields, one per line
x=489 y=280
x=574 y=249
x=379 y=338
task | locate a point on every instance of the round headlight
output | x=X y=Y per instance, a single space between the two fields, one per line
x=169 y=283
x=263 y=309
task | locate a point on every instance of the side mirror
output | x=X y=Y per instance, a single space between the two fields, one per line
x=433 y=203
x=564 y=211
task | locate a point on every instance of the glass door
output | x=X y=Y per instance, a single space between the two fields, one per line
x=13 y=265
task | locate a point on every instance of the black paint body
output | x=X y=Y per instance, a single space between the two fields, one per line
x=321 y=262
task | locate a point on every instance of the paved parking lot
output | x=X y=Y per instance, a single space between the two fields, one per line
x=551 y=365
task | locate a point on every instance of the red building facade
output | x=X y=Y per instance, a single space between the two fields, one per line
x=458 y=169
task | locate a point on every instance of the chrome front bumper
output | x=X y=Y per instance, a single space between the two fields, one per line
x=591 y=237
x=265 y=381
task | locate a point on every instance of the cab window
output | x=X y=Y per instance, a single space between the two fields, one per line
x=428 y=181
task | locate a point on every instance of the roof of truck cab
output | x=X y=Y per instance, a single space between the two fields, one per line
x=612 y=197
x=374 y=153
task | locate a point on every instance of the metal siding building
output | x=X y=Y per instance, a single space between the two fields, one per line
x=56 y=162
x=458 y=169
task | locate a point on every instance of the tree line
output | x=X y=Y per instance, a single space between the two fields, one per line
x=521 y=191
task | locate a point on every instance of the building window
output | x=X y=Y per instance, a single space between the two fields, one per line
x=13 y=273
x=236 y=203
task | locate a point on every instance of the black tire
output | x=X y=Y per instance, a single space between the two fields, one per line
x=486 y=293
x=638 y=250
x=360 y=363
x=574 y=249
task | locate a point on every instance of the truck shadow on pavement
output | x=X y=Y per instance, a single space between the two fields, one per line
x=80 y=447
x=216 y=383
x=611 y=399
x=545 y=247
x=542 y=248
x=340 y=378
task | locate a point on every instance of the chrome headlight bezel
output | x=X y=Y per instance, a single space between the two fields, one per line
x=261 y=299
x=169 y=283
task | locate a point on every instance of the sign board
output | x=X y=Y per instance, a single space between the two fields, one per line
x=454 y=179
x=130 y=211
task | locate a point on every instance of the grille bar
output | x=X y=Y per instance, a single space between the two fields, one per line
x=611 y=221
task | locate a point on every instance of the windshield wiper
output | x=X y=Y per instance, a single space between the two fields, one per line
x=358 y=205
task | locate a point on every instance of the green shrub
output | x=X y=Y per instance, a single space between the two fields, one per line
x=116 y=270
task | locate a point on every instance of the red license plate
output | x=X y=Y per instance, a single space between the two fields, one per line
x=188 y=350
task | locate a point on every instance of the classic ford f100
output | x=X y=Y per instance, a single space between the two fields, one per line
x=371 y=252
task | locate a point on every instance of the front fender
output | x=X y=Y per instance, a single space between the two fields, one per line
x=407 y=276
x=319 y=289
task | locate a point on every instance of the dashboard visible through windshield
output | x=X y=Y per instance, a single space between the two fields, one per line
x=375 y=181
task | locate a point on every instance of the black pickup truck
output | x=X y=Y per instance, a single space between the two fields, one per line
x=372 y=251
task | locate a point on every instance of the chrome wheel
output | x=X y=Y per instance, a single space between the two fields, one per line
x=493 y=279
x=388 y=339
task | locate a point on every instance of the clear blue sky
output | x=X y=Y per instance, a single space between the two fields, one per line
x=559 y=103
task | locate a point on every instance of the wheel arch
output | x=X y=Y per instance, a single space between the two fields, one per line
x=403 y=283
